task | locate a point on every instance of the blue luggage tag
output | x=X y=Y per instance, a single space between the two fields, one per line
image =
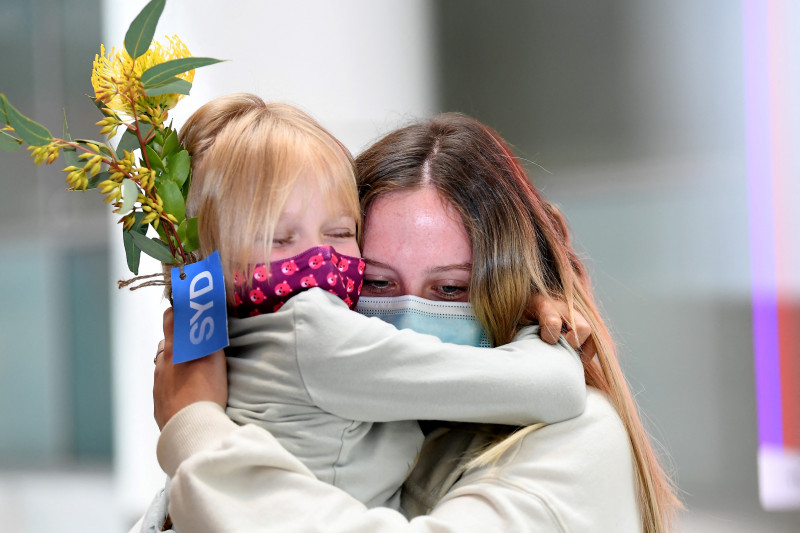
x=198 y=300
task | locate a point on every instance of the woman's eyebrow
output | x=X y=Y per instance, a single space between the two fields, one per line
x=434 y=270
x=444 y=268
x=372 y=262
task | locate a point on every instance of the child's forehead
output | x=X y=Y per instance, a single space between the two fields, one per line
x=310 y=194
x=329 y=184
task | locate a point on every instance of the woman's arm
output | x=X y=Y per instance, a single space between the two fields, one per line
x=176 y=386
x=241 y=480
x=572 y=476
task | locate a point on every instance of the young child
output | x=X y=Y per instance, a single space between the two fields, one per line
x=276 y=195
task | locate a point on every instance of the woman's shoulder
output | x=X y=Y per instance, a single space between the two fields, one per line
x=593 y=443
x=579 y=472
x=596 y=437
x=598 y=426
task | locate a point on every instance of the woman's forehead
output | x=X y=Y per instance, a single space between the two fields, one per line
x=416 y=226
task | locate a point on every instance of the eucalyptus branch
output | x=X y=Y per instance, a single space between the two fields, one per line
x=149 y=187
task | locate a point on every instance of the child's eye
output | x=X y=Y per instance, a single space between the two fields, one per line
x=281 y=241
x=344 y=234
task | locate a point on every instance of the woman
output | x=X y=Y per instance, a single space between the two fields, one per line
x=450 y=214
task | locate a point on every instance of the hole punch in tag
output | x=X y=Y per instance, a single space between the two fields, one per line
x=200 y=309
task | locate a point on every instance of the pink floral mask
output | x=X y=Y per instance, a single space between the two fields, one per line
x=272 y=285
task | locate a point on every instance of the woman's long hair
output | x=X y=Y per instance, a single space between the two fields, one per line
x=521 y=247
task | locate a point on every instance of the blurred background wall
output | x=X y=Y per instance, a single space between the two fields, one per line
x=630 y=114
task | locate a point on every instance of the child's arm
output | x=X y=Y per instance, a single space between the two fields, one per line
x=365 y=369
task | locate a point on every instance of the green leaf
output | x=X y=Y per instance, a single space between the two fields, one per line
x=9 y=143
x=164 y=72
x=178 y=166
x=98 y=104
x=170 y=144
x=186 y=186
x=140 y=33
x=153 y=159
x=187 y=233
x=128 y=142
x=65 y=129
x=132 y=252
x=89 y=141
x=95 y=181
x=155 y=248
x=137 y=223
x=182 y=230
x=173 y=200
x=29 y=131
x=130 y=193
x=71 y=157
x=175 y=86
x=103 y=147
x=3 y=114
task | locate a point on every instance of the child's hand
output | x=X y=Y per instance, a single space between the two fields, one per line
x=177 y=386
x=551 y=315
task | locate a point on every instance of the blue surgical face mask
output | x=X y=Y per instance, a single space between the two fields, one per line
x=452 y=322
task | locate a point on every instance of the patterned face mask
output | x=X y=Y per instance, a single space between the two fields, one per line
x=452 y=322
x=273 y=284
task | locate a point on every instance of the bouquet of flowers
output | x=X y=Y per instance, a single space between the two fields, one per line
x=146 y=176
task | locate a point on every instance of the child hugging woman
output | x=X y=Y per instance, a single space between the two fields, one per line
x=276 y=195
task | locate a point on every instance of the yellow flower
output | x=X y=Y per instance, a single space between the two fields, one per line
x=110 y=124
x=116 y=79
x=46 y=153
x=76 y=179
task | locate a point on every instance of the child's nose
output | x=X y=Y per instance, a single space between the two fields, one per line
x=309 y=242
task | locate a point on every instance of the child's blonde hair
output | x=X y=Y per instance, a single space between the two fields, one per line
x=247 y=156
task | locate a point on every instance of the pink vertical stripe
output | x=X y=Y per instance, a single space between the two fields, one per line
x=784 y=99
